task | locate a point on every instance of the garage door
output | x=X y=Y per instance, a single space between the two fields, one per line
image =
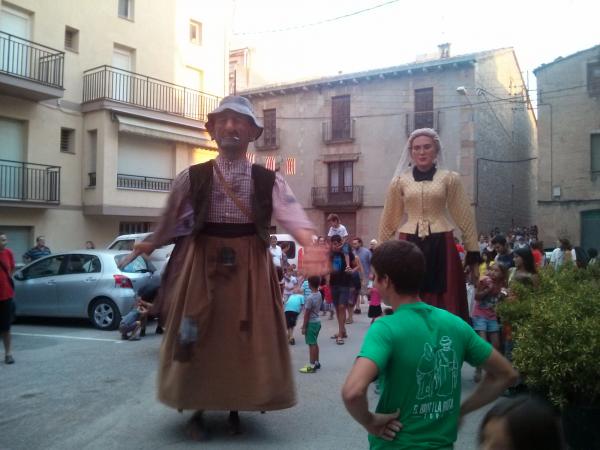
x=590 y=229
x=19 y=240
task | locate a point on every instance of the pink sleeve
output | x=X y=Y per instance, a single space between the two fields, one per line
x=286 y=209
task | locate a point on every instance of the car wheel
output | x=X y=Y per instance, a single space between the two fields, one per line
x=104 y=314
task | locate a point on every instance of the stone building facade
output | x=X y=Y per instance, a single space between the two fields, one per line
x=345 y=135
x=101 y=105
x=569 y=148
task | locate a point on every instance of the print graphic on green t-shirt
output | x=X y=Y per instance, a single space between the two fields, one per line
x=437 y=378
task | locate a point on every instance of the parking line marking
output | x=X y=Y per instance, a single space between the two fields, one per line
x=67 y=337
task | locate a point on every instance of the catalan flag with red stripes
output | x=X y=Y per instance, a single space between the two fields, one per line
x=290 y=166
x=270 y=163
x=251 y=157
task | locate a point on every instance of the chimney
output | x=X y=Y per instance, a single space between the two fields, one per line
x=444 y=50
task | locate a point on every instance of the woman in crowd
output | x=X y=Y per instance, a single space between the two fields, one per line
x=425 y=191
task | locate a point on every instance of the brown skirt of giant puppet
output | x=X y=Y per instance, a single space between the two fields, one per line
x=226 y=299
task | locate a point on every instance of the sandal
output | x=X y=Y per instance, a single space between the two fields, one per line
x=339 y=341
x=336 y=336
x=349 y=321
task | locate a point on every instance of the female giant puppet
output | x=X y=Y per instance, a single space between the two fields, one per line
x=425 y=193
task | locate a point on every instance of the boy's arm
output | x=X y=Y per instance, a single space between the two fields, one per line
x=499 y=375
x=354 y=394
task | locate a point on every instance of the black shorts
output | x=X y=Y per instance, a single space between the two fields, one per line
x=374 y=311
x=340 y=294
x=6 y=315
x=290 y=318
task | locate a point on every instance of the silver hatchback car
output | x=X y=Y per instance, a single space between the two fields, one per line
x=81 y=283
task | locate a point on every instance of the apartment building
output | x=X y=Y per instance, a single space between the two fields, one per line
x=569 y=148
x=338 y=139
x=102 y=103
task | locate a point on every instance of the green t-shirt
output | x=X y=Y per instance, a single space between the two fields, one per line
x=419 y=351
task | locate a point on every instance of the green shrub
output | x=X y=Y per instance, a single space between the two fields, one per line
x=556 y=332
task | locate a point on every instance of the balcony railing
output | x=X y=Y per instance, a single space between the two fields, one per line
x=28 y=182
x=423 y=119
x=337 y=196
x=29 y=60
x=125 y=181
x=110 y=83
x=338 y=131
x=268 y=140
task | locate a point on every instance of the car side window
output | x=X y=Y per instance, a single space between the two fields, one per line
x=125 y=244
x=82 y=264
x=46 y=267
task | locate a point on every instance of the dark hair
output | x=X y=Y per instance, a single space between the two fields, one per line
x=388 y=311
x=314 y=281
x=333 y=217
x=530 y=423
x=402 y=262
x=592 y=252
x=564 y=242
x=336 y=238
x=37 y=239
x=356 y=238
x=148 y=292
x=527 y=256
x=499 y=239
x=538 y=245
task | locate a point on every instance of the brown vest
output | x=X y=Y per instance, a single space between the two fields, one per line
x=201 y=177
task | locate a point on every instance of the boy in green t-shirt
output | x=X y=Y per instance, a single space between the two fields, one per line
x=417 y=354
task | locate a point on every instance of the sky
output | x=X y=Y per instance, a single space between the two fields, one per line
x=399 y=30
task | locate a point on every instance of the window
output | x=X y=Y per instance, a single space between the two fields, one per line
x=134 y=227
x=92 y=156
x=595 y=150
x=67 y=140
x=138 y=265
x=46 y=267
x=83 y=264
x=340 y=117
x=270 y=128
x=195 y=32
x=593 y=78
x=423 y=108
x=71 y=39
x=341 y=177
x=126 y=9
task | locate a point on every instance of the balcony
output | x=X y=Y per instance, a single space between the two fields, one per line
x=27 y=182
x=137 y=182
x=423 y=119
x=338 y=131
x=30 y=70
x=106 y=83
x=268 y=140
x=346 y=198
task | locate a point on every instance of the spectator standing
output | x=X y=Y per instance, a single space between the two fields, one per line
x=312 y=325
x=277 y=256
x=417 y=354
x=289 y=283
x=364 y=256
x=562 y=254
x=340 y=281
x=374 y=302
x=337 y=229
x=504 y=254
x=39 y=251
x=89 y=245
x=7 y=292
x=372 y=245
x=537 y=250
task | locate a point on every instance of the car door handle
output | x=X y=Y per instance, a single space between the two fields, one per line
x=90 y=279
x=51 y=282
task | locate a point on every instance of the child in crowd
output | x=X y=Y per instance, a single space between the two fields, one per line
x=293 y=306
x=327 y=297
x=374 y=301
x=289 y=283
x=135 y=320
x=490 y=290
x=337 y=229
x=312 y=325
x=523 y=423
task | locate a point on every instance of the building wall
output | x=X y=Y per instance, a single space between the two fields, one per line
x=159 y=36
x=568 y=115
x=503 y=163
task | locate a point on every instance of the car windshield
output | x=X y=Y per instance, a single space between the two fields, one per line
x=138 y=265
x=125 y=244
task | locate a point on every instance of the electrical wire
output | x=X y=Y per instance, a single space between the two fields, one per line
x=313 y=24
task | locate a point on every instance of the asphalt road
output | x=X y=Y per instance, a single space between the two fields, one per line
x=74 y=387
